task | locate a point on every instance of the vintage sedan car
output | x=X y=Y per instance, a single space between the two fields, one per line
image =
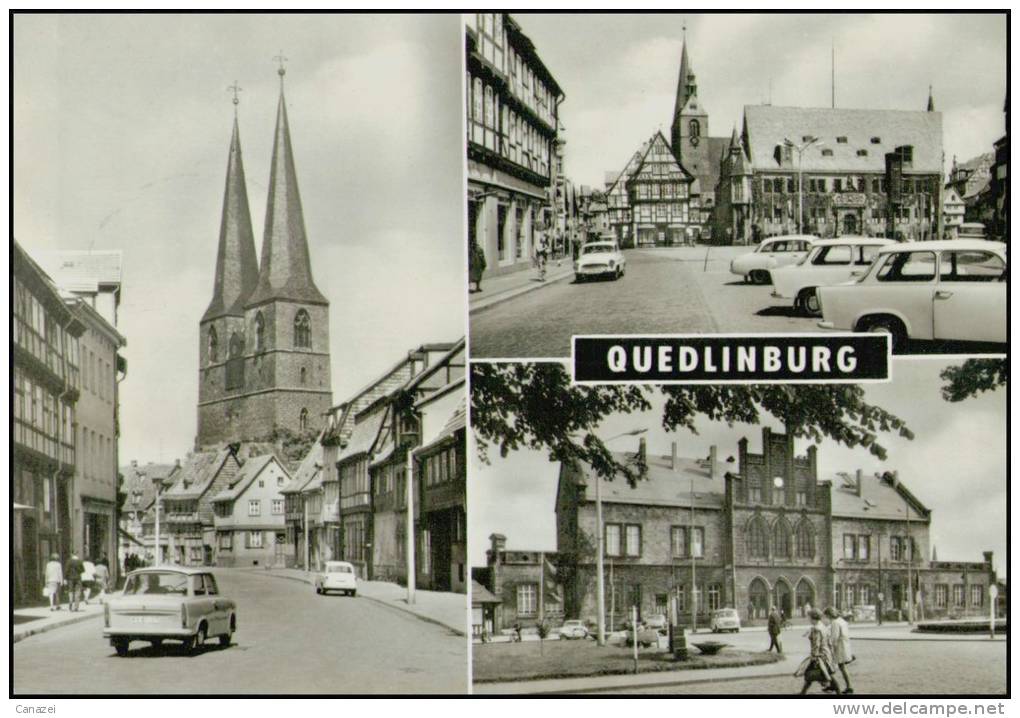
x=573 y=629
x=337 y=576
x=756 y=267
x=599 y=259
x=830 y=261
x=951 y=290
x=169 y=602
x=657 y=622
x=725 y=619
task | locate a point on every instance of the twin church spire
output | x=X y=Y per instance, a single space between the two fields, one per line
x=285 y=269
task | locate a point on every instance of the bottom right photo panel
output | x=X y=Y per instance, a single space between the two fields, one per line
x=750 y=539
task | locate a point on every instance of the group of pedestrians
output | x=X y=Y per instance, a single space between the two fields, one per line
x=829 y=638
x=80 y=578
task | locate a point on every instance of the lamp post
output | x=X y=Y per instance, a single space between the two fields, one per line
x=599 y=564
x=159 y=485
x=694 y=584
x=800 y=175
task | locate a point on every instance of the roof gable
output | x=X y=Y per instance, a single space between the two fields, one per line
x=658 y=163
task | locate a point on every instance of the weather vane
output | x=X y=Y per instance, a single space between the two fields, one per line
x=281 y=58
x=235 y=88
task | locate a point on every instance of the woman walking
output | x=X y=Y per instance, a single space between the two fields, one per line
x=817 y=668
x=839 y=638
x=54 y=580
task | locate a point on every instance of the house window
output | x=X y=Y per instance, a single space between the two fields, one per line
x=277 y=507
x=876 y=140
x=260 y=333
x=613 y=540
x=304 y=375
x=714 y=597
x=941 y=595
x=253 y=539
x=678 y=535
x=633 y=540
x=302 y=330
x=862 y=153
x=805 y=540
x=527 y=603
x=959 y=596
x=695 y=128
x=863 y=547
x=977 y=595
x=757 y=538
x=781 y=539
x=849 y=547
x=778 y=496
x=841 y=140
x=754 y=491
x=226 y=541
x=698 y=542
x=254 y=507
x=802 y=498
x=826 y=153
x=214 y=345
x=897 y=548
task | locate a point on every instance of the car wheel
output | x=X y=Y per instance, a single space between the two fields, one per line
x=891 y=326
x=157 y=642
x=353 y=594
x=198 y=640
x=121 y=647
x=760 y=276
x=578 y=279
x=809 y=303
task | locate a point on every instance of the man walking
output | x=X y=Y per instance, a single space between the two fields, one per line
x=839 y=639
x=775 y=628
x=72 y=575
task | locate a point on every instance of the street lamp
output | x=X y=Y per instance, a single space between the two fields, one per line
x=808 y=141
x=599 y=564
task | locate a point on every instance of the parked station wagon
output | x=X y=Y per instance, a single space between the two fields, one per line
x=337 y=576
x=830 y=261
x=951 y=290
x=756 y=267
x=169 y=602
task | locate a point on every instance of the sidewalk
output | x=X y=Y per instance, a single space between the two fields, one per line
x=40 y=619
x=448 y=610
x=507 y=286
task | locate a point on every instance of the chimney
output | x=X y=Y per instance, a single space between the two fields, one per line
x=713 y=462
x=498 y=542
x=676 y=461
x=860 y=480
x=642 y=450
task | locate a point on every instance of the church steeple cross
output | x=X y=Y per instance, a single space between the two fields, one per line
x=281 y=71
x=235 y=89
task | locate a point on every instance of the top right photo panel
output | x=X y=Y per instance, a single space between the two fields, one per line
x=737 y=173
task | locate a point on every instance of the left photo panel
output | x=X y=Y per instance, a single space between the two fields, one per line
x=238 y=455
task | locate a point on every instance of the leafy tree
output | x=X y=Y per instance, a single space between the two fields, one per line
x=973 y=377
x=535 y=406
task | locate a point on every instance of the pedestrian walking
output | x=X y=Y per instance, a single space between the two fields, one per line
x=542 y=253
x=88 y=579
x=817 y=667
x=72 y=575
x=102 y=578
x=775 y=628
x=54 y=580
x=476 y=264
x=839 y=639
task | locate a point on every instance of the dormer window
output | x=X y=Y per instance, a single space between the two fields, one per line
x=862 y=153
x=826 y=153
x=876 y=140
x=841 y=140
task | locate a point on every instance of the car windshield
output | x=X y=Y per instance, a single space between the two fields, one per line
x=597 y=249
x=162 y=582
x=339 y=569
x=726 y=613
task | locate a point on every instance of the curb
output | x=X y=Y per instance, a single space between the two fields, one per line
x=21 y=636
x=379 y=601
x=489 y=302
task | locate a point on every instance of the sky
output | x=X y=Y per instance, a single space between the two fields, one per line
x=619 y=73
x=121 y=134
x=955 y=465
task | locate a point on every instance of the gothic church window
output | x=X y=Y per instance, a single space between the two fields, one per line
x=303 y=420
x=781 y=539
x=695 y=128
x=805 y=540
x=260 y=333
x=213 y=345
x=302 y=330
x=235 y=363
x=304 y=375
x=757 y=538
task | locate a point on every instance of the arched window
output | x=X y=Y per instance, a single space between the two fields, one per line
x=805 y=540
x=805 y=597
x=235 y=363
x=757 y=538
x=260 y=333
x=214 y=345
x=303 y=419
x=781 y=539
x=758 y=599
x=695 y=128
x=304 y=374
x=302 y=330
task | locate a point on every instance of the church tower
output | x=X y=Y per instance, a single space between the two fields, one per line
x=689 y=131
x=276 y=367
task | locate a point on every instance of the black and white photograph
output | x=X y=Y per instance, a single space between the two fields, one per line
x=720 y=173
x=238 y=455
x=739 y=540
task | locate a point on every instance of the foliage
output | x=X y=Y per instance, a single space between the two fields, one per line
x=293 y=445
x=535 y=406
x=973 y=377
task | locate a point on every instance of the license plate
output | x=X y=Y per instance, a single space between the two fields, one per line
x=146 y=619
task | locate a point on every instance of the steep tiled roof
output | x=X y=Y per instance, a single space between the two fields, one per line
x=308 y=469
x=879 y=499
x=481 y=595
x=662 y=486
x=767 y=126
x=251 y=469
x=456 y=422
x=237 y=269
x=286 y=269
x=364 y=435
x=142 y=478
x=197 y=472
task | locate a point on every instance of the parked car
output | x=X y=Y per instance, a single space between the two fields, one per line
x=756 y=267
x=599 y=259
x=646 y=637
x=830 y=261
x=573 y=629
x=725 y=619
x=951 y=290
x=337 y=576
x=657 y=621
x=180 y=604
